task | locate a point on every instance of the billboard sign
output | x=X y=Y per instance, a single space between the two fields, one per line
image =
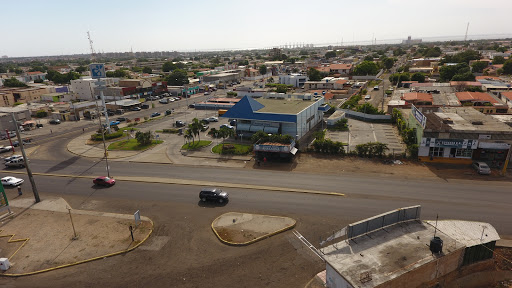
x=97 y=70
x=419 y=116
x=450 y=143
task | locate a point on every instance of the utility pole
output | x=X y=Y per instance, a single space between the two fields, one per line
x=27 y=166
x=466 y=36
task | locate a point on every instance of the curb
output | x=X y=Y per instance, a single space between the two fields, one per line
x=86 y=260
x=198 y=183
x=257 y=239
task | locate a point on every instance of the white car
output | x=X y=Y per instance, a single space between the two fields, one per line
x=212 y=119
x=13 y=157
x=12 y=181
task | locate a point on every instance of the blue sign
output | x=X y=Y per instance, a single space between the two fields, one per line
x=419 y=116
x=97 y=70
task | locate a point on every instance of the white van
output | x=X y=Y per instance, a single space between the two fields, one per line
x=367 y=97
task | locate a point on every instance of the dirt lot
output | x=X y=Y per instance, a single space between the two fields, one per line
x=408 y=169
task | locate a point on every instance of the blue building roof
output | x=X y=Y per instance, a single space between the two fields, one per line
x=247 y=108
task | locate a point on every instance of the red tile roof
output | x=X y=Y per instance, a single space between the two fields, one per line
x=465 y=83
x=476 y=96
x=341 y=81
x=508 y=95
x=35 y=73
x=487 y=77
x=340 y=66
x=323 y=69
x=414 y=96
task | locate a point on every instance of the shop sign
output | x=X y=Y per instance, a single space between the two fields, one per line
x=449 y=143
x=419 y=116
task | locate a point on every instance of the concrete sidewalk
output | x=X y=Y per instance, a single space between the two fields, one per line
x=40 y=237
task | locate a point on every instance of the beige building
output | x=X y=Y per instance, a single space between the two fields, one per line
x=25 y=95
x=6 y=99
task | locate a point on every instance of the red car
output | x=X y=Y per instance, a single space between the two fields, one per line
x=104 y=181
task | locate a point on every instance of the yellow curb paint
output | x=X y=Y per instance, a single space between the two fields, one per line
x=256 y=239
x=25 y=240
x=86 y=260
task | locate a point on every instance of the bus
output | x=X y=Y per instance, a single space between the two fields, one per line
x=222 y=111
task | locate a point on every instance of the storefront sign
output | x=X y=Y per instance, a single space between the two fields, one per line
x=499 y=146
x=449 y=143
x=419 y=116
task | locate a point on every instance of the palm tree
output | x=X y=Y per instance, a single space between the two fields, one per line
x=196 y=126
x=189 y=135
x=225 y=132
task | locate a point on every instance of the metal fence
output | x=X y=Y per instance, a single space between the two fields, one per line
x=383 y=220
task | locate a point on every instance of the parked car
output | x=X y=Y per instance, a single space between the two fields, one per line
x=212 y=119
x=204 y=127
x=206 y=93
x=155 y=114
x=164 y=101
x=180 y=123
x=16 y=163
x=39 y=125
x=376 y=87
x=213 y=194
x=232 y=122
x=192 y=106
x=113 y=123
x=226 y=126
x=482 y=168
x=111 y=113
x=144 y=106
x=12 y=181
x=135 y=109
x=11 y=134
x=367 y=97
x=4 y=149
x=12 y=157
x=168 y=112
x=25 y=141
x=121 y=119
x=54 y=121
x=104 y=181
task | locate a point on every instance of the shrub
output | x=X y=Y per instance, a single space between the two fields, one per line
x=173 y=131
x=41 y=114
x=328 y=146
x=97 y=136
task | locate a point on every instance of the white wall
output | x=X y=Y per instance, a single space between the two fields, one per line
x=334 y=280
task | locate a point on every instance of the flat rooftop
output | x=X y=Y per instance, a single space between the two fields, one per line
x=463 y=119
x=284 y=106
x=386 y=253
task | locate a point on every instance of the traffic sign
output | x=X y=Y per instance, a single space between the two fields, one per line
x=97 y=70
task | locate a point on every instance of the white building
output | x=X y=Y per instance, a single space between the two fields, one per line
x=297 y=80
x=84 y=88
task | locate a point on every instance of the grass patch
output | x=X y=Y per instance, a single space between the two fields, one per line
x=172 y=131
x=196 y=145
x=232 y=148
x=131 y=145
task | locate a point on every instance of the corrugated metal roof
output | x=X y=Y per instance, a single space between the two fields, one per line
x=468 y=233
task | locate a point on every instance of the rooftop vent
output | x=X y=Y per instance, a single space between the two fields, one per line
x=448 y=121
x=477 y=122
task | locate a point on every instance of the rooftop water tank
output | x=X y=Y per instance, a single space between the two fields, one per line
x=436 y=245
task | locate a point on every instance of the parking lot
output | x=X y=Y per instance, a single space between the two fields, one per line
x=361 y=132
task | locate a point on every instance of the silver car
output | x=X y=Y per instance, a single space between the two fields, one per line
x=482 y=168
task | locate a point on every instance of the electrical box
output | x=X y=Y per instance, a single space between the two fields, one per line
x=4 y=264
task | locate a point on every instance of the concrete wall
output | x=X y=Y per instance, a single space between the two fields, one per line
x=334 y=280
x=429 y=272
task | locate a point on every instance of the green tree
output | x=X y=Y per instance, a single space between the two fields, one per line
x=388 y=63
x=479 y=66
x=368 y=58
x=147 y=70
x=195 y=127
x=144 y=138
x=13 y=82
x=447 y=72
x=330 y=54
x=366 y=68
x=466 y=76
x=368 y=108
x=119 y=73
x=263 y=69
x=177 y=77
x=432 y=52
x=398 y=52
x=418 y=76
x=225 y=132
x=189 y=134
x=395 y=78
x=314 y=75
x=81 y=69
x=498 y=60
x=168 y=66
x=501 y=49
x=507 y=67
x=462 y=57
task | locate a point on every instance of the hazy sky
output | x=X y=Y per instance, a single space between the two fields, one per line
x=55 y=27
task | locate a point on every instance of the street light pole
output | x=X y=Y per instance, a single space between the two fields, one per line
x=27 y=166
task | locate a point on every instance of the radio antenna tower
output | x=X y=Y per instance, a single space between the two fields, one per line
x=466 y=37
x=93 y=54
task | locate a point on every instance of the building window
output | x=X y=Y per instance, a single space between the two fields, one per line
x=464 y=153
x=437 y=151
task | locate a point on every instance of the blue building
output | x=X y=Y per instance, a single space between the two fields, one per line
x=276 y=113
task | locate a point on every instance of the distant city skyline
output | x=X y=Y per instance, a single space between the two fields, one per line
x=58 y=27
